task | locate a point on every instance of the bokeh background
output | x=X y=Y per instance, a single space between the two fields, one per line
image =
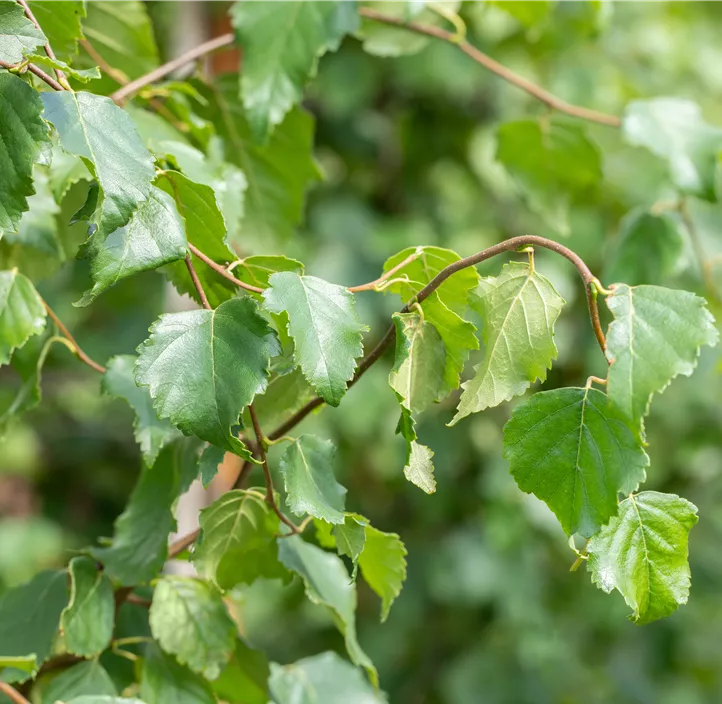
x=490 y=612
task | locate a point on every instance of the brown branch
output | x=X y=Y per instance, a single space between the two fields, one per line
x=386 y=275
x=37 y=71
x=495 y=67
x=508 y=245
x=197 y=283
x=220 y=270
x=66 y=334
x=63 y=81
x=156 y=74
x=12 y=694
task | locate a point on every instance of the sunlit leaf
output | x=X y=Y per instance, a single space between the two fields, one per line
x=22 y=313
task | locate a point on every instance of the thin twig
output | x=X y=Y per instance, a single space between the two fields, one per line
x=38 y=72
x=156 y=74
x=270 y=494
x=114 y=73
x=12 y=694
x=387 y=275
x=63 y=81
x=76 y=347
x=221 y=270
x=699 y=253
x=182 y=543
x=508 y=245
x=197 y=283
x=495 y=67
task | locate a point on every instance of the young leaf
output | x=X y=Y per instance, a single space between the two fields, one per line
x=673 y=129
x=24 y=137
x=22 y=313
x=29 y=620
x=569 y=448
x=419 y=468
x=643 y=554
x=323 y=678
x=87 y=677
x=327 y=583
x=222 y=355
x=60 y=20
x=18 y=35
x=383 y=566
x=281 y=46
x=655 y=335
x=88 y=620
x=324 y=326
x=190 y=620
x=245 y=678
x=237 y=543
x=99 y=132
x=164 y=681
x=154 y=236
x=151 y=433
x=311 y=487
x=417 y=376
x=519 y=308
x=83 y=75
x=140 y=543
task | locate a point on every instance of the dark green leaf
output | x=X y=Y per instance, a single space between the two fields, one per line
x=18 y=35
x=208 y=464
x=189 y=620
x=88 y=677
x=223 y=357
x=164 y=681
x=245 y=678
x=60 y=20
x=573 y=451
x=22 y=313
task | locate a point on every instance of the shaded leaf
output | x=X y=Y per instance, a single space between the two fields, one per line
x=61 y=23
x=164 y=681
x=87 y=677
x=245 y=678
x=18 y=35
x=22 y=313
x=208 y=464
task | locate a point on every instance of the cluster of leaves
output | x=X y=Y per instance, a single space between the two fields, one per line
x=268 y=337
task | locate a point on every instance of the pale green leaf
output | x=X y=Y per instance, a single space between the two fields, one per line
x=656 y=334
x=65 y=170
x=22 y=313
x=383 y=566
x=88 y=620
x=311 y=487
x=643 y=554
x=190 y=620
x=573 y=450
x=84 y=678
x=281 y=45
x=24 y=135
x=151 y=433
x=327 y=583
x=29 y=620
x=18 y=35
x=351 y=536
x=519 y=308
x=164 y=681
x=83 y=75
x=674 y=129
x=61 y=23
x=419 y=468
x=222 y=355
x=26 y=664
x=99 y=132
x=154 y=236
x=102 y=699
x=323 y=678
x=245 y=678
x=257 y=270
x=527 y=12
x=324 y=326
x=237 y=544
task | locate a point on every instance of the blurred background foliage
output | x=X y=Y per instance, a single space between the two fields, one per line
x=406 y=145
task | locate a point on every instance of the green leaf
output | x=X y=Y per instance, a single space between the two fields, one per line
x=552 y=162
x=527 y=12
x=322 y=678
x=350 y=536
x=222 y=355
x=88 y=620
x=61 y=23
x=311 y=487
x=140 y=545
x=257 y=270
x=25 y=137
x=327 y=583
x=519 y=308
x=208 y=464
x=99 y=132
x=65 y=169
x=324 y=326
x=647 y=251
x=151 y=433
x=383 y=566
x=655 y=335
x=643 y=554
x=206 y=229
x=29 y=620
x=26 y=664
x=164 y=681
x=18 y=35
x=22 y=313
x=189 y=620
x=102 y=699
x=572 y=450
x=417 y=376
x=237 y=543
x=154 y=236
x=85 y=678
x=83 y=75
x=286 y=393
x=419 y=468
x=674 y=129
x=281 y=46
x=245 y=678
